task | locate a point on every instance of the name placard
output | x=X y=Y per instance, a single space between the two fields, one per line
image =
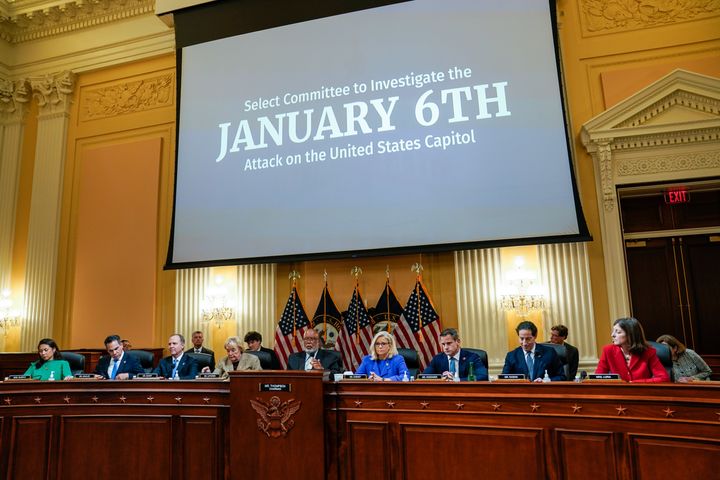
x=275 y=387
x=355 y=376
x=207 y=375
x=430 y=376
x=511 y=377
x=146 y=376
x=85 y=376
x=18 y=377
x=603 y=376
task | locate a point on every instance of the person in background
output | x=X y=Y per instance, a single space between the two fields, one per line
x=384 y=364
x=50 y=365
x=127 y=346
x=236 y=359
x=687 y=365
x=558 y=335
x=630 y=356
x=184 y=366
x=254 y=343
x=455 y=360
x=116 y=365
x=531 y=358
x=197 y=340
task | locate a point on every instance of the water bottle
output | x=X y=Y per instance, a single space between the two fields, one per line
x=471 y=373
x=577 y=378
x=405 y=377
x=51 y=378
x=456 y=377
x=546 y=378
x=176 y=376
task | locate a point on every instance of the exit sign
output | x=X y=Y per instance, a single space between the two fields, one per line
x=674 y=196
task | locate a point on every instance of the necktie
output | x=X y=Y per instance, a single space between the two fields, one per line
x=175 y=366
x=114 y=370
x=453 y=368
x=530 y=363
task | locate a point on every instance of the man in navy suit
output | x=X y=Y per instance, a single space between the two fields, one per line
x=531 y=358
x=197 y=340
x=254 y=343
x=117 y=365
x=185 y=366
x=454 y=360
x=313 y=357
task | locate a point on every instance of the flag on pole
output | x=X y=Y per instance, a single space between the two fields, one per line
x=356 y=334
x=327 y=320
x=387 y=311
x=419 y=326
x=290 y=329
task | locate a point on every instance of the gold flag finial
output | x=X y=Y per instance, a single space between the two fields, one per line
x=356 y=272
x=387 y=272
x=324 y=275
x=417 y=268
x=294 y=275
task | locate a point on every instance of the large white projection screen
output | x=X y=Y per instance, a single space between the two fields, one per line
x=417 y=125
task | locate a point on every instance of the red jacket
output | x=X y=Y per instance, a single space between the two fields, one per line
x=643 y=368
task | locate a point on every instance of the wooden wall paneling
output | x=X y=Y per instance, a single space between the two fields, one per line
x=656 y=456
x=90 y=446
x=433 y=451
x=30 y=447
x=585 y=454
x=370 y=450
x=200 y=457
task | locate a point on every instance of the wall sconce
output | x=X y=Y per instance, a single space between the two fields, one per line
x=519 y=292
x=214 y=306
x=8 y=317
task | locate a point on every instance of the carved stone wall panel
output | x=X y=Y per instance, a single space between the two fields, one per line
x=131 y=96
x=601 y=17
x=668 y=163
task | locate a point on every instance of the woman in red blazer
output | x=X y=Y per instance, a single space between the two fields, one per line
x=630 y=356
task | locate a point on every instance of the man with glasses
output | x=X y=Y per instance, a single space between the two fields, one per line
x=531 y=358
x=454 y=361
x=313 y=357
x=117 y=365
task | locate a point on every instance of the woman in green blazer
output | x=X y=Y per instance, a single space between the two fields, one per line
x=50 y=363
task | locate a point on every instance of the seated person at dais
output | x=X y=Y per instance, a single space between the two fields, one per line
x=630 y=356
x=116 y=365
x=531 y=358
x=454 y=361
x=384 y=362
x=235 y=360
x=177 y=365
x=313 y=357
x=688 y=366
x=50 y=366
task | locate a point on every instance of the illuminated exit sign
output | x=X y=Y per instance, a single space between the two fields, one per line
x=674 y=196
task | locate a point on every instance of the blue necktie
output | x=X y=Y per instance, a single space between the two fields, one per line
x=175 y=366
x=530 y=363
x=452 y=365
x=114 y=370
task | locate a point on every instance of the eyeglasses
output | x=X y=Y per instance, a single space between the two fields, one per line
x=381 y=344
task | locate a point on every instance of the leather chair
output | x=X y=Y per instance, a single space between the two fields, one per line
x=146 y=359
x=203 y=360
x=264 y=357
x=665 y=356
x=562 y=353
x=480 y=353
x=76 y=361
x=412 y=360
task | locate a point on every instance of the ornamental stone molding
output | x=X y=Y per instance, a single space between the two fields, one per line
x=127 y=97
x=665 y=133
x=25 y=20
x=54 y=92
x=14 y=100
x=609 y=16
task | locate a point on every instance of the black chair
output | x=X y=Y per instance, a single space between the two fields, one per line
x=145 y=358
x=562 y=353
x=264 y=357
x=480 y=353
x=412 y=360
x=76 y=361
x=665 y=356
x=203 y=360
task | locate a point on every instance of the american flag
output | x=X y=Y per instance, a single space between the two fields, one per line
x=421 y=331
x=356 y=335
x=292 y=325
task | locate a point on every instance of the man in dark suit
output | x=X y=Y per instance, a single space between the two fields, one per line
x=314 y=358
x=184 y=366
x=558 y=335
x=454 y=361
x=531 y=358
x=117 y=365
x=197 y=340
x=254 y=344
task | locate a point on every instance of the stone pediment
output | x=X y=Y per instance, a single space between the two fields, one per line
x=679 y=101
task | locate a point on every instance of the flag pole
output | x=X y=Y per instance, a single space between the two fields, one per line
x=418 y=268
x=387 y=296
x=294 y=275
x=356 y=272
x=325 y=307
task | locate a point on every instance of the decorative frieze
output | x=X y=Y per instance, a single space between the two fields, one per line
x=128 y=97
x=669 y=163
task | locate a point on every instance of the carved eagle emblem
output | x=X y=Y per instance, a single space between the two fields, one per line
x=275 y=416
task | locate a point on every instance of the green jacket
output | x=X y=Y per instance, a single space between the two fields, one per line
x=60 y=367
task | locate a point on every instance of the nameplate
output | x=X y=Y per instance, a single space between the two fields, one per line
x=603 y=376
x=145 y=376
x=275 y=387
x=18 y=377
x=355 y=376
x=511 y=377
x=84 y=376
x=430 y=376
x=207 y=375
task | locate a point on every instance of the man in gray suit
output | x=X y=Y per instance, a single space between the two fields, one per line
x=313 y=357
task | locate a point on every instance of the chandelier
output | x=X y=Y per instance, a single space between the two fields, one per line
x=215 y=308
x=8 y=317
x=520 y=293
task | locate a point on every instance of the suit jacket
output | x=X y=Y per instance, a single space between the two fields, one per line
x=330 y=361
x=441 y=364
x=128 y=364
x=573 y=360
x=204 y=350
x=644 y=368
x=273 y=357
x=187 y=369
x=393 y=368
x=247 y=362
x=545 y=359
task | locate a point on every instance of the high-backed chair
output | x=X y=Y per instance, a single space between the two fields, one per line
x=264 y=357
x=76 y=361
x=411 y=360
x=146 y=359
x=665 y=356
x=203 y=360
x=480 y=353
x=562 y=353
